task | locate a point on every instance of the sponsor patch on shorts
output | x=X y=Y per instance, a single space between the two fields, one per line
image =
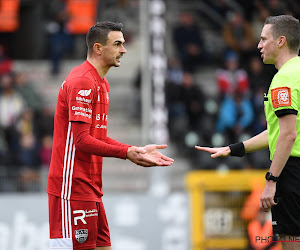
x=281 y=97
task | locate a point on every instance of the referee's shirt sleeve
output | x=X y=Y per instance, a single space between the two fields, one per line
x=284 y=96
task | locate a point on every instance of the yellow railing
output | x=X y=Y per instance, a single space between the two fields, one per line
x=198 y=183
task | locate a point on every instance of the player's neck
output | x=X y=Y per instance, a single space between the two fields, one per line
x=102 y=70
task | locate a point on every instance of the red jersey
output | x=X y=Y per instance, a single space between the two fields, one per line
x=75 y=174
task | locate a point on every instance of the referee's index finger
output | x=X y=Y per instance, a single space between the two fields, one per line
x=204 y=148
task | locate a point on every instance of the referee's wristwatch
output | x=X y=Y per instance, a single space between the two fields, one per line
x=271 y=177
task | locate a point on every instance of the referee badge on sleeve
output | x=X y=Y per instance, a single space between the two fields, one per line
x=281 y=97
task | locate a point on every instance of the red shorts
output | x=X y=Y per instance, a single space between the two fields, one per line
x=77 y=224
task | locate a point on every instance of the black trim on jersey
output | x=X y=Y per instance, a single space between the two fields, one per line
x=283 y=112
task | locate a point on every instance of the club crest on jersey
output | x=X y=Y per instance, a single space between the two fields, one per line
x=81 y=235
x=281 y=97
x=85 y=92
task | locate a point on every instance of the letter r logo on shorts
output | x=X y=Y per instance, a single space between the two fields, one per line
x=80 y=217
x=281 y=97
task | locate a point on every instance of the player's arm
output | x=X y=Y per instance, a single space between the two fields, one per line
x=147 y=156
x=87 y=143
x=284 y=145
x=116 y=143
x=255 y=143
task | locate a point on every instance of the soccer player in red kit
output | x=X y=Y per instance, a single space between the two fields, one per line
x=76 y=213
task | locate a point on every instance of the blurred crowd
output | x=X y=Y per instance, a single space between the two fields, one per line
x=26 y=129
x=233 y=112
x=26 y=120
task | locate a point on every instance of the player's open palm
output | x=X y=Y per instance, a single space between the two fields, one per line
x=153 y=155
x=148 y=156
x=215 y=152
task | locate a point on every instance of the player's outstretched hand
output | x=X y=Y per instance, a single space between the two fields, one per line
x=149 y=156
x=154 y=155
x=215 y=152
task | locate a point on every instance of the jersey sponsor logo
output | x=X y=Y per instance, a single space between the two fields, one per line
x=87 y=110
x=83 y=114
x=81 y=235
x=101 y=126
x=281 y=97
x=83 y=100
x=85 y=92
x=101 y=117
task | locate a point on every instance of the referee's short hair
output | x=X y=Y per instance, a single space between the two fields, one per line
x=98 y=33
x=288 y=26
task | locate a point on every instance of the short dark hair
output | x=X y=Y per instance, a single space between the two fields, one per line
x=288 y=26
x=98 y=33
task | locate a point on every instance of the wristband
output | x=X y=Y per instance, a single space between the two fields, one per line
x=237 y=149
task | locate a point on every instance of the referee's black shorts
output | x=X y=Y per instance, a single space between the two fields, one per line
x=286 y=214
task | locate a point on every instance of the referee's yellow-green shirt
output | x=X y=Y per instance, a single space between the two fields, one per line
x=283 y=98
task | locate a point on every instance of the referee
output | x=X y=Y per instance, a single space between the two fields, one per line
x=279 y=45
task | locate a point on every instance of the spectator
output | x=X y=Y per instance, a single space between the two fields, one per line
x=28 y=152
x=176 y=110
x=175 y=105
x=189 y=42
x=11 y=107
x=61 y=41
x=232 y=78
x=45 y=122
x=236 y=111
x=28 y=92
x=239 y=36
x=259 y=75
x=45 y=151
x=235 y=116
x=25 y=124
x=193 y=100
x=29 y=162
x=174 y=71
